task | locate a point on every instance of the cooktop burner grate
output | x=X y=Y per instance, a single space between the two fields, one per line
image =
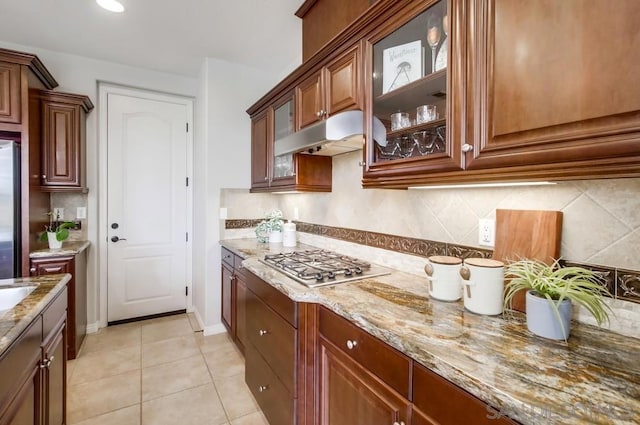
x=320 y=267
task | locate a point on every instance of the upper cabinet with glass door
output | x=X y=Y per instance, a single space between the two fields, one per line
x=412 y=93
x=283 y=125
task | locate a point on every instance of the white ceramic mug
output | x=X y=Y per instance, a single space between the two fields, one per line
x=483 y=285
x=443 y=274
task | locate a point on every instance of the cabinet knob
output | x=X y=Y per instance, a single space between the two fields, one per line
x=351 y=344
x=32 y=269
x=362 y=163
x=318 y=114
x=263 y=388
x=262 y=332
x=266 y=177
x=467 y=147
x=44 y=176
x=399 y=423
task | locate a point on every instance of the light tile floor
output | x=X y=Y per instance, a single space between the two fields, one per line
x=159 y=372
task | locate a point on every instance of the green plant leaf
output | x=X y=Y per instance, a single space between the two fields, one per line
x=62 y=234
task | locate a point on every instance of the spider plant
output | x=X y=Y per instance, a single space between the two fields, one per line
x=555 y=283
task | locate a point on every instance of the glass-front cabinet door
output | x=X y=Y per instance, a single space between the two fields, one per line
x=409 y=94
x=283 y=125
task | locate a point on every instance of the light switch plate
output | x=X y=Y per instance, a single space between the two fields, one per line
x=81 y=213
x=487 y=232
x=296 y=213
x=58 y=213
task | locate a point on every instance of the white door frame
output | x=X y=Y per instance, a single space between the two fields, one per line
x=105 y=88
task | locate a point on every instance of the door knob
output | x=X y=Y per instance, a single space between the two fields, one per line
x=114 y=225
x=117 y=239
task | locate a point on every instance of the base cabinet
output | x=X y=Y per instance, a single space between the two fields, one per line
x=234 y=290
x=351 y=395
x=76 y=265
x=33 y=370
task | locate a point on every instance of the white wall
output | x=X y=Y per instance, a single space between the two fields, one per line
x=222 y=160
x=76 y=74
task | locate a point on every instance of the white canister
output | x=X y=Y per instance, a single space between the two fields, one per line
x=289 y=234
x=443 y=274
x=483 y=285
x=275 y=236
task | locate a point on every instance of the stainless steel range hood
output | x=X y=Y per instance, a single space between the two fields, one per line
x=340 y=133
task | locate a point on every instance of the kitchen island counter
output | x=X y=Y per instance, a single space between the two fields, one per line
x=15 y=320
x=594 y=378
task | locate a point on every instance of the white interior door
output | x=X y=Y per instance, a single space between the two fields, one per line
x=146 y=206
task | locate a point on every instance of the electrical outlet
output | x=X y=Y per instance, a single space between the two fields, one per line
x=81 y=213
x=58 y=213
x=487 y=232
x=223 y=214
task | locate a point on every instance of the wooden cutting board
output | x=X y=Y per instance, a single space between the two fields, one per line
x=527 y=234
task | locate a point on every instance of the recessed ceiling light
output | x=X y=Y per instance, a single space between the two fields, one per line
x=111 y=5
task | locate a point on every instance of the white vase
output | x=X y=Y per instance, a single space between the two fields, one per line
x=54 y=243
x=275 y=236
x=542 y=320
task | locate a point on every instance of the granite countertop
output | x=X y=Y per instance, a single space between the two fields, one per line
x=68 y=248
x=14 y=321
x=594 y=378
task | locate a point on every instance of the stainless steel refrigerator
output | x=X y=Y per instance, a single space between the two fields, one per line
x=10 y=247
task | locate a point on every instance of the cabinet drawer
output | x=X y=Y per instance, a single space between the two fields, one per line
x=445 y=403
x=227 y=257
x=274 y=338
x=19 y=360
x=274 y=400
x=273 y=298
x=393 y=367
x=55 y=313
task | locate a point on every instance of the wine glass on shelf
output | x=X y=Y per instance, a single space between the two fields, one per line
x=434 y=35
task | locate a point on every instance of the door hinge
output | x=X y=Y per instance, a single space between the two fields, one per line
x=187 y=179
x=186 y=291
x=187 y=127
x=186 y=237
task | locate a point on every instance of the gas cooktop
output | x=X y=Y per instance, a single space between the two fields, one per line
x=319 y=267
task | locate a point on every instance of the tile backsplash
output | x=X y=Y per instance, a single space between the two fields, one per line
x=70 y=202
x=601 y=219
x=601 y=223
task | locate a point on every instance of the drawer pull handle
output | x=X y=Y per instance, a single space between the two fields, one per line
x=263 y=388
x=351 y=344
x=262 y=332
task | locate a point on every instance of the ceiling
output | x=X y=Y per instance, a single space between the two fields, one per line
x=170 y=36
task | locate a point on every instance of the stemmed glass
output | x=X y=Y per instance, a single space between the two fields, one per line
x=433 y=38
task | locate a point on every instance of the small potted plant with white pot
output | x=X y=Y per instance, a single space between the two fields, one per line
x=551 y=290
x=56 y=231
x=270 y=229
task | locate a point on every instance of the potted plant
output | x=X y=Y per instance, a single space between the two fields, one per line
x=551 y=290
x=270 y=229
x=56 y=231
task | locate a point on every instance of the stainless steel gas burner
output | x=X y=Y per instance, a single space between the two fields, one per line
x=319 y=267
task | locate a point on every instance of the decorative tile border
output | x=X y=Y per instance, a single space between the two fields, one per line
x=622 y=284
x=628 y=285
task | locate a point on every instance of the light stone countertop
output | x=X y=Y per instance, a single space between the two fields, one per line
x=592 y=379
x=68 y=248
x=14 y=321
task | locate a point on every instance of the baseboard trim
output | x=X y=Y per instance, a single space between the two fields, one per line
x=93 y=327
x=214 y=329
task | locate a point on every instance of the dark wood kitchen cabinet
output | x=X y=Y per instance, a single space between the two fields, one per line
x=362 y=381
x=63 y=139
x=33 y=370
x=556 y=97
x=19 y=74
x=76 y=265
x=290 y=172
x=234 y=291
x=10 y=93
x=526 y=98
x=439 y=402
x=280 y=353
x=332 y=89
